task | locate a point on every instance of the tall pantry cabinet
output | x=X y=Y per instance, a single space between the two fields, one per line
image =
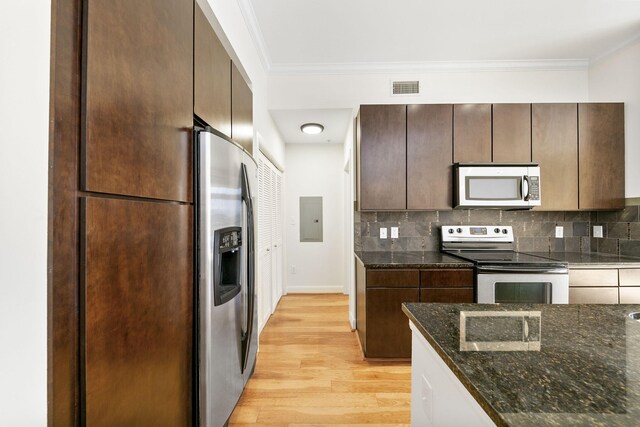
x=121 y=213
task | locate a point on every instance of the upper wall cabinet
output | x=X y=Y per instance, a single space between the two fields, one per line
x=138 y=98
x=212 y=73
x=511 y=133
x=472 y=133
x=429 y=156
x=382 y=155
x=555 y=149
x=601 y=152
x=241 y=110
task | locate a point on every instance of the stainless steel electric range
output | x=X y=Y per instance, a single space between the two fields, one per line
x=502 y=274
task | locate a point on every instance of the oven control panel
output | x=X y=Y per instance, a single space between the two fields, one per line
x=477 y=233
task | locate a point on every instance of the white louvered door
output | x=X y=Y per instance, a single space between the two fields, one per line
x=270 y=237
x=264 y=242
x=276 y=276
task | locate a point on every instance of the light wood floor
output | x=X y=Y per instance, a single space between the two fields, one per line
x=310 y=371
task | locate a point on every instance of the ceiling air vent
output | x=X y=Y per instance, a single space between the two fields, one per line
x=405 y=88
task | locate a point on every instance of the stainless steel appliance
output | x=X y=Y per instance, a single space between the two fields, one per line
x=226 y=303
x=495 y=185
x=502 y=274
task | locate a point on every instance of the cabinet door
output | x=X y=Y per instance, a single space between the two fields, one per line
x=212 y=76
x=451 y=295
x=137 y=340
x=388 y=333
x=241 y=110
x=601 y=153
x=554 y=146
x=429 y=156
x=472 y=133
x=511 y=133
x=383 y=157
x=138 y=98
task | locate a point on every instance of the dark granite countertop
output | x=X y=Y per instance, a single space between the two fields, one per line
x=578 y=259
x=585 y=372
x=411 y=260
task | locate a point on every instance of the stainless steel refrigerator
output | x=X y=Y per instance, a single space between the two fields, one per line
x=227 y=328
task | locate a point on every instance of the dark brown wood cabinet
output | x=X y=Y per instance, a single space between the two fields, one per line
x=511 y=133
x=241 y=110
x=555 y=148
x=447 y=285
x=212 y=76
x=138 y=98
x=429 y=156
x=137 y=287
x=383 y=329
x=601 y=155
x=472 y=133
x=382 y=152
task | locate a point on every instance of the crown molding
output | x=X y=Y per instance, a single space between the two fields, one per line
x=430 y=66
x=251 y=21
x=616 y=48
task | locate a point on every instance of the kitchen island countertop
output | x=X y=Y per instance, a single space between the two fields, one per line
x=586 y=370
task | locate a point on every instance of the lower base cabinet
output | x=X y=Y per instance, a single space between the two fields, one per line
x=382 y=327
x=614 y=285
x=438 y=398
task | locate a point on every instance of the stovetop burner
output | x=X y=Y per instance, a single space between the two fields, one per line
x=488 y=245
x=502 y=257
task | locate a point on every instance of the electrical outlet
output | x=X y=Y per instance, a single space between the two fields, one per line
x=293 y=269
x=559 y=232
x=383 y=232
x=597 y=231
x=394 y=232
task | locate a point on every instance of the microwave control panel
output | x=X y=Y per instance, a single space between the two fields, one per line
x=534 y=188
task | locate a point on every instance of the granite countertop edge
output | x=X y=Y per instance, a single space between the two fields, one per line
x=484 y=404
x=427 y=259
x=591 y=259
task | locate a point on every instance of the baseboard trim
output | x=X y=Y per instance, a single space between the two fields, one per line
x=315 y=290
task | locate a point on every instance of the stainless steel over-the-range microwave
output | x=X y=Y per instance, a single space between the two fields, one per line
x=496 y=185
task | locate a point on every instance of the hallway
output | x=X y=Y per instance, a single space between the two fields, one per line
x=310 y=371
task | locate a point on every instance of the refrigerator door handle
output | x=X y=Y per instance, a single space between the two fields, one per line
x=250 y=250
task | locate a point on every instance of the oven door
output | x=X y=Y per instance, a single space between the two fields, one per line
x=529 y=287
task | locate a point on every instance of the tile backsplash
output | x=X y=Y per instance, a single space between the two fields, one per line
x=534 y=230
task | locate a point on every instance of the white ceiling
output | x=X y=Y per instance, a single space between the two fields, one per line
x=335 y=122
x=325 y=36
x=321 y=35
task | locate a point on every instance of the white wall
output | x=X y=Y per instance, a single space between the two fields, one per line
x=24 y=120
x=617 y=78
x=315 y=170
x=350 y=90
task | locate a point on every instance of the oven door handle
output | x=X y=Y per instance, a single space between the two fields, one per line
x=536 y=270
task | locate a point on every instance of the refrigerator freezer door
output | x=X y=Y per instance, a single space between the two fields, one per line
x=220 y=328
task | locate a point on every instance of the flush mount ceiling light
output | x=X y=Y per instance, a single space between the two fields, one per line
x=312 y=128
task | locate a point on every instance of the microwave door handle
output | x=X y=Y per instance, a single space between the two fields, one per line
x=525 y=188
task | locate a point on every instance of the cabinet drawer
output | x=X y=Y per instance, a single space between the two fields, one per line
x=590 y=277
x=446 y=278
x=630 y=295
x=393 y=278
x=629 y=277
x=451 y=295
x=593 y=295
